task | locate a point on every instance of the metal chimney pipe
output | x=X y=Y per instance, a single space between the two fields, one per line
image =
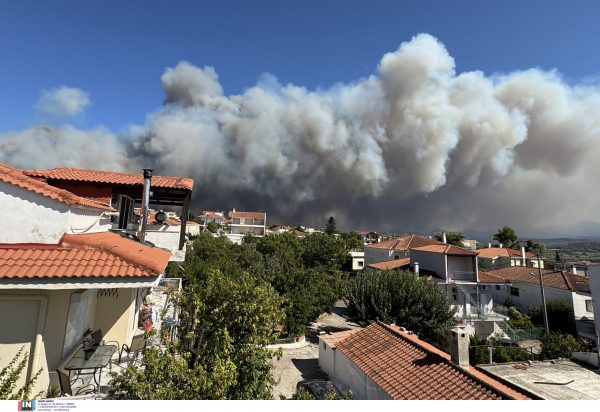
x=145 y=203
x=523 y=256
x=416 y=266
x=444 y=237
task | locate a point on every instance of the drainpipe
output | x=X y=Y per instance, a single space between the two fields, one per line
x=145 y=204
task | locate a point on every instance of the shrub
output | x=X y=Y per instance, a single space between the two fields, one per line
x=556 y=345
x=10 y=374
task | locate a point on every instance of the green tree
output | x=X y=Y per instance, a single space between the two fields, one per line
x=556 y=345
x=393 y=296
x=352 y=241
x=330 y=227
x=518 y=320
x=507 y=237
x=560 y=316
x=228 y=313
x=322 y=250
x=212 y=227
x=9 y=376
x=536 y=248
x=452 y=238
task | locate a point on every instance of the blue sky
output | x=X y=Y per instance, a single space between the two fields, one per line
x=117 y=50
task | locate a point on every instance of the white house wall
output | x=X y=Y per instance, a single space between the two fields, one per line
x=430 y=261
x=594 y=281
x=27 y=217
x=530 y=295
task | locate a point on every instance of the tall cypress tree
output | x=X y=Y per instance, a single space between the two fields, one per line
x=330 y=227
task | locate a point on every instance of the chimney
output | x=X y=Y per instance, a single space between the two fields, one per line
x=489 y=245
x=416 y=267
x=145 y=204
x=444 y=237
x=501 y=246
x=523 y=255
x=574 y=269
x=459 y=347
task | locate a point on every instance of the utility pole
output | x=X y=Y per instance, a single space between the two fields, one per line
x=544 y=312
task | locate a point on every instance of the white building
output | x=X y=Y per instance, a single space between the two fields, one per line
x=62 y=272
x=469 y=292
x=524 y=292
x=247 y=222
x=498 y=257
x=387 y=362
x=594 y=281
x=358 y=259
x=395 y=248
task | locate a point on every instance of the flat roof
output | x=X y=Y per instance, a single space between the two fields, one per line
x=554 y=380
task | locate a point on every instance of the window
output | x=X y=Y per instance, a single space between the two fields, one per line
x=454 y=298
x=236 y=220
x=588 y=306
x=497 y=287
x=361 y=263
x=453 y=290
x=396 y=257
x=514 y=291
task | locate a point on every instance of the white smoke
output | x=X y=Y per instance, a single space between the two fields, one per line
x=414 y=146
x=63 y=102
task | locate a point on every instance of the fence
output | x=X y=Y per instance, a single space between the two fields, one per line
x=519 y=335
x=487 y=354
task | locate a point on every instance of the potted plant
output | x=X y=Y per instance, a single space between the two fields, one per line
x=88 y=346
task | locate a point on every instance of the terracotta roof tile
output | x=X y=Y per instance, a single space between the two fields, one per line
x=552 y=278
x=390 y=264
x=97 y=255
x=256 y=215
x=405 y=243
x=17 y=178
x=494 y=252
x=447 y=250
x=406 y=367
x=486 y=277
x=98 y=176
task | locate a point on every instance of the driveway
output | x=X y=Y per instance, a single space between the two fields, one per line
x=298 y=364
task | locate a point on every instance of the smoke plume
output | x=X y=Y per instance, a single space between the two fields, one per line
x=413 y=147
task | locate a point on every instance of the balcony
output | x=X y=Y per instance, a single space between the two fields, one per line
x=463 y=275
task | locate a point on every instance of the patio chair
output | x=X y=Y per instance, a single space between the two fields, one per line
x=138 y=344
x=67 y=390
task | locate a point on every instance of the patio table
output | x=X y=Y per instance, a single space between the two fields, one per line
x=99 y=360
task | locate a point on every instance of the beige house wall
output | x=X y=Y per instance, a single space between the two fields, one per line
x=37 y=321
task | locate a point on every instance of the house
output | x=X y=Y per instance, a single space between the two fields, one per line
x=470 y=292
x=358 y=259
x=63 y=272
x=368 y=237
x=395 y=248
x=212 y=216
x=524 y=291
x=124 y=192
x=248 y=222
x=498 y=257
x=469 y=244
x=387 y=362
x=400 y=264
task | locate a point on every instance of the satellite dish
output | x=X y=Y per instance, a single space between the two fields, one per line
x=160 y=217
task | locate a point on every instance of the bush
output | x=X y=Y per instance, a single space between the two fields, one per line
x=479 y=353
x=9 y=376
x=560 y=316
x=556 y=345
x=518 y=320
x=401 y=297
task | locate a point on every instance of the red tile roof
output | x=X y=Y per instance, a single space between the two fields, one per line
x=485 y=277
x=405 y=243
x=390 y=264
x=552 y=278
x=256 y=215
x=494 y=252
x=98 y=176
x=17 y=178
x=406 y=367
x=447 y=250
x=96 y=255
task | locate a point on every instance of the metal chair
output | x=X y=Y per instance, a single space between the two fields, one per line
x=66 y=388
x=138 y=344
